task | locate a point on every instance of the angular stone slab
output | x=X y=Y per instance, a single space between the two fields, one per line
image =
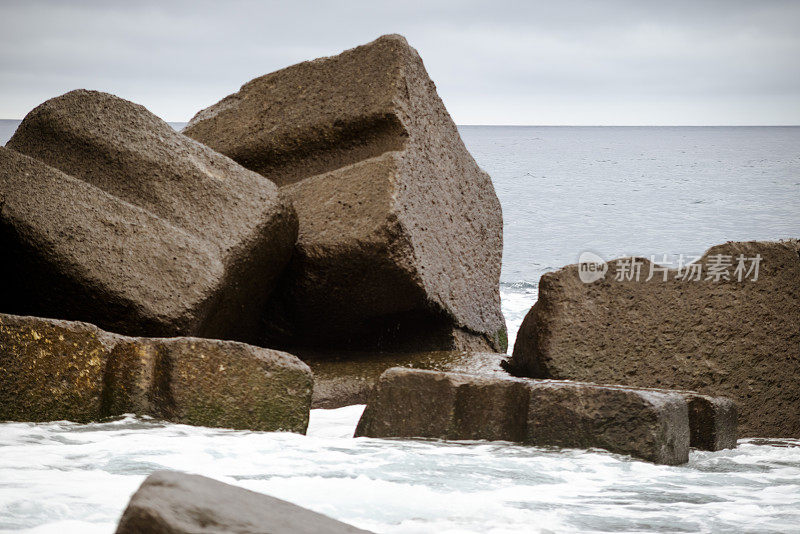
x=53 y=370
x=731 y=338
x=650 y=425
x=712 y=420
x=169 y=502
x=400 y=231
x=156 y=234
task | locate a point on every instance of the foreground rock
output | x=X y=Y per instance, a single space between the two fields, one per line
x=140 y=230
x=400 y=232
x=654 y=425
x=177 y=503
x=346 y=378
x=54 y=370
x=739 y=339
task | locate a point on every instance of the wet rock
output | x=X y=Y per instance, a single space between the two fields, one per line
x=651 y=425
x=731 y=338
x=343 y=378
x=168 y=502
x=144 y=231
x=713 y=422
x=432 y=404
x=53 y=370
x=400 y=232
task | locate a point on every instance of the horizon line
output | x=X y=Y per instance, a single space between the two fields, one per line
x=591 y=125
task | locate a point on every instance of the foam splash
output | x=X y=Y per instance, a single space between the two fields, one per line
x=66 y=477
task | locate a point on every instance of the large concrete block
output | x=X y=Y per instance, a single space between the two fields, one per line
x=650 y=425
x=655 y=425
x=53 y=370
x=153 y=234
x=722 y=337
x=400 y=232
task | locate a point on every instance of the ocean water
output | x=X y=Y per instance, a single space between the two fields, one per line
x=621 y=191
x=65 y=477
x=564 y=190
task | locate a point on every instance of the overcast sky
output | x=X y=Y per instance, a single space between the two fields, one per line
x=557 y=62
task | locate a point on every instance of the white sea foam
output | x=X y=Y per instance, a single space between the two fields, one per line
x=64 y=478
x=516 y=300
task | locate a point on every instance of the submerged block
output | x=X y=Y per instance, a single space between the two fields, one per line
x=650 y=425
x=432 y=404
x=647 y=424
x=713 y=422
x=51 y=370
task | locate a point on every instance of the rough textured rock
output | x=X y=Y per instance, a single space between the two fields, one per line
x=727 y=338
x=713 y=422
x=52 y=370
x=400 y=232
x=345 y=378
x=652 y=425
x=144 y=231
x=433 y=404
x=177 y=503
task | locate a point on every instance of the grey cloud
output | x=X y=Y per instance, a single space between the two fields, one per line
x=570 y=62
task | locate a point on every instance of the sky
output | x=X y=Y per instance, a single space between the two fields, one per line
x=563 y=62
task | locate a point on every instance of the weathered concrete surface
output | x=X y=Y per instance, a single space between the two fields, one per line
x=168 y=502
x=433 y=404
x=343 y=378
x=650 y=425
x=713 y=422
x=400 y=232
x=655 y=425
x=70 y=249
x=144 y=232
x=726 y=338
x=52 y=370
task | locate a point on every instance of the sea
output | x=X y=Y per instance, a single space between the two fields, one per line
x=666 y=193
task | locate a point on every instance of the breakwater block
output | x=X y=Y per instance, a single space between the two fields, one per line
x=62 y=370
x=169 y=502
x=653 y=425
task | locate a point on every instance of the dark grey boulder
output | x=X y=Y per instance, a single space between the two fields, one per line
x=63 y=370
x=655 y=425
x=400 y=231
x=721 y=337
x=650 y=425
x=168 y=502
x=433 y=404
x=144 y=231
